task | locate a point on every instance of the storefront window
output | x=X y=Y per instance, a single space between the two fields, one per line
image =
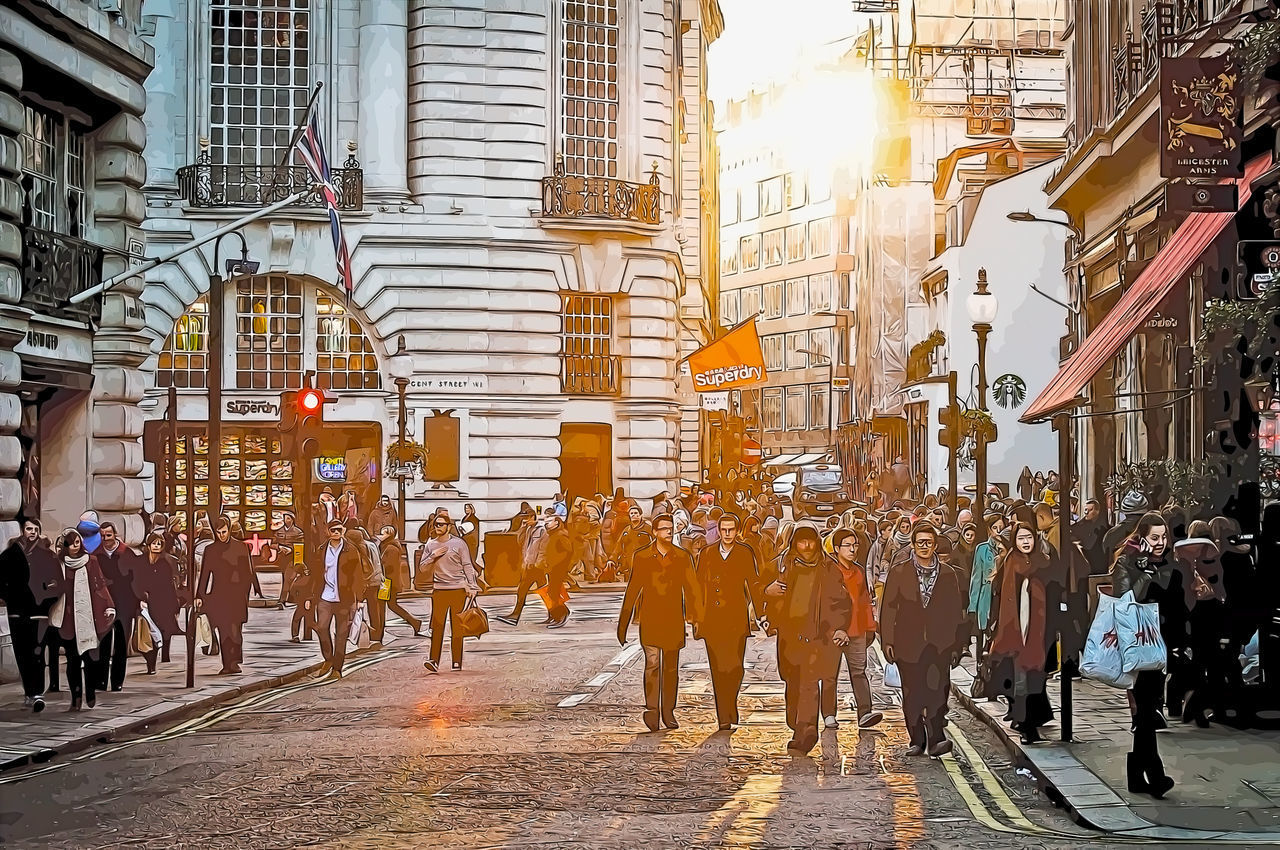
x=344 y=355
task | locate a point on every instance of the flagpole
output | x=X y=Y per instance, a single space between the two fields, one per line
x=293 y=142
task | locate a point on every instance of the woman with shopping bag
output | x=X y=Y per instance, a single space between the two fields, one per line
x=1144 y=566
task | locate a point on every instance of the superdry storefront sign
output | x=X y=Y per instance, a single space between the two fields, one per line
x=731 y=362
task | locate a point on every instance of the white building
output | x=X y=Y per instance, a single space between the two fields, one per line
x=521 y=189
x=1023 y=262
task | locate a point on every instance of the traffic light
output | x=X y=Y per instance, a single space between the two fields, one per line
x=949 y=435
x=302 y=418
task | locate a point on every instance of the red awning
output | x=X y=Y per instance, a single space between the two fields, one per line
x=1171 y=265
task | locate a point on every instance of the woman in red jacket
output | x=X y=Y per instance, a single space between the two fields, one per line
x=1022 y=631
x=861 y=631
x=81 y=615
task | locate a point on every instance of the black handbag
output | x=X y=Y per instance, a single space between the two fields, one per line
x=994 y=678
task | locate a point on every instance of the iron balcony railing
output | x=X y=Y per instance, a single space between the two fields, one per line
x=54 y=268
x=208 y=185
x=605 y=198
x=592 y=374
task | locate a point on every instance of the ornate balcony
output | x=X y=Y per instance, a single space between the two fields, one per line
x=207 y=185
x=56 y=267
x=584 y=200
x=591 y=374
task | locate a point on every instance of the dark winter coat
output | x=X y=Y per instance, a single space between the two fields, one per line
x=727 y=586
x=908 y=627
x=226 y=576
x=118 y=569
x=1159 y=581
x=156 y=584
x=662 y=592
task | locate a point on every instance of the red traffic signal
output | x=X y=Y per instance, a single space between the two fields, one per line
x=310 y=401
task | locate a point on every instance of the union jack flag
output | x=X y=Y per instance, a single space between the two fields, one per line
x=310 y=147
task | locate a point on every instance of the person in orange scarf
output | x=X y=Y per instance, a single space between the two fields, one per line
x=861 y=631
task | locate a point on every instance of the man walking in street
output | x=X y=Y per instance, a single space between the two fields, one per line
x=287 y=537
x=117 y=562
x=341 y=581
x=29 y=575
x=861 y=631
x=729 y=580
x=662 y=592
x=222 y=593
x=923 y=631
x=454 y=584
x=813 y=612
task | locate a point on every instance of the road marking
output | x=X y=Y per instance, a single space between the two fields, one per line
x=571 y=701
x=597 y=682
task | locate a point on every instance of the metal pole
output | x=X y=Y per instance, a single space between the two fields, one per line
x=980 y=448
x=953 y=473
x=214 y=391
x=402 y=384
x=1066 y=550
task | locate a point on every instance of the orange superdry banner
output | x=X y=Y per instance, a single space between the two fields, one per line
x=731 y=362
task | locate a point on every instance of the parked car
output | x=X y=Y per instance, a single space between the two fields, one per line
x=820 y=492
x=784 y=485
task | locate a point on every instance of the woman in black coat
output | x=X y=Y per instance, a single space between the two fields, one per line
x=155 y=579
x=1145 y=565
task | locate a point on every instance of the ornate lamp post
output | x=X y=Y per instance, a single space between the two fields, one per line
x=982 y=307
x=401 y=365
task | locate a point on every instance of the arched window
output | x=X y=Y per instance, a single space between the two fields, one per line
x=184 y=358
x=344 y=355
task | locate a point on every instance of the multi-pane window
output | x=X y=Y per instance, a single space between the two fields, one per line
x=773 y=247
x=752 y=301
x=184 y=359
x=820 y=345
x=793 y=191
x=820 y=237
x=771 y=196
x=795 y=243
x=819 y=405
x=773 y=352
x=259 y=78
x=750 y=249
x=589 y=86
x=730 y=301
x=53 y=172
x=728 y=257
x=797 y=296
x=750 y=199
x=588 y=325
x=820 y=291
x=772 y=412
x=773 y=300
x=845 y=295
x=344 y=355
x=269 y=333
x=796 y=403
x=797 y=345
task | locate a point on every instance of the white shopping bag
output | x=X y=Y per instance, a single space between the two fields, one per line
x=1138 y=630
x=1101 y=659
x=359 y=634
x=892 y=678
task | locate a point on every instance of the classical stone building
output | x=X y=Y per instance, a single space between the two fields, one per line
x=520 y=183
x=71 y=206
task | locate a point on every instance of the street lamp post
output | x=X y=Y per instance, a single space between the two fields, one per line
x=401 y=369
x=982 y=312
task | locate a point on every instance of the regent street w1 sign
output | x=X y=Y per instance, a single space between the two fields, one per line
x=1200 y=117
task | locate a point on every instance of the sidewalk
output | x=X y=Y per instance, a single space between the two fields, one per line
x=269 y=660
x=1228 y=780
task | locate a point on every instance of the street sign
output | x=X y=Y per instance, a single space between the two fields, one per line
x=1200 y=117
x=751 y=452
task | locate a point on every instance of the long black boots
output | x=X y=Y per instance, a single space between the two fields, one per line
x=1137 y=781
x=1147 y=776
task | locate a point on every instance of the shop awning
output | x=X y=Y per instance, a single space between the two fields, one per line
x=1171 y=265
x=781 y=460
x=805 y=460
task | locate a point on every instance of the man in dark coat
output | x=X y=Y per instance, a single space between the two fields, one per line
x=222 y=593
x=811 y=609
x=340 y=583
x=662 y=592
x=29 y=576
x=923 y=631
x=117 y=561
x=729 y=580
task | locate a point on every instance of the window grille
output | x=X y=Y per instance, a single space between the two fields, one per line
x=183 y=361
x=344 y=355
x=269 y=333
x=589 y=88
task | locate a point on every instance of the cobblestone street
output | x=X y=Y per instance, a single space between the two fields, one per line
x=538 y=742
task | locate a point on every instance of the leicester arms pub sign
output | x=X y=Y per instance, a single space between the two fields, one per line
x=1200 y=118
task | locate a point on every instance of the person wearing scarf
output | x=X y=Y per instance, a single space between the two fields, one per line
x=811 y=610
x=980 y=589
x=81 y=615
x=1022 y=633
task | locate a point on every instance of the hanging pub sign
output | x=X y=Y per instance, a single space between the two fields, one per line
x=1200 y=117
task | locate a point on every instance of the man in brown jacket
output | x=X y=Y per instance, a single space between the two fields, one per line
x=729 y=581
x=662 y=592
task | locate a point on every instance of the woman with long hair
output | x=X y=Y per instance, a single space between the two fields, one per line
x=1023 y=632
x=1144 y=565
x=155 y=578
x=81 y=615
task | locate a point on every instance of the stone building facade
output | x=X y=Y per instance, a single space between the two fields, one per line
x=521 y=190
x=71 y=208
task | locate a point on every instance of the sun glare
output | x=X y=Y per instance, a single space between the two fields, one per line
x=828 y=122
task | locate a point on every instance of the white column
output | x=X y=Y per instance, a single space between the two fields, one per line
x=384 y=99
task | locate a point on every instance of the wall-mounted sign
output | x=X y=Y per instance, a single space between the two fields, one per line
x=250 y=409
x=450 y=384
x=715 y=401
x=53 y=342
x=1200 y=117
x=1009 y=391
x=331 y=468
x=1202 y=197
x=840 y=383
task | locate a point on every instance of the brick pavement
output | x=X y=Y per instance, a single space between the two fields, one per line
x=1227 y=778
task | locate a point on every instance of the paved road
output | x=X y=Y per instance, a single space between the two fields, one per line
x=537 y=743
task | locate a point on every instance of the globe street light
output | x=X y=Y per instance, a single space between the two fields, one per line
x=983 y=309
x=401 y=366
